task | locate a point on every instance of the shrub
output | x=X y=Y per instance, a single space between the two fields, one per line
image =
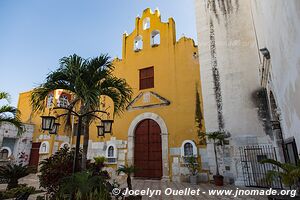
x=12 y=193
x=84 y=186
x=128 y=170
x=97 y=167
x=13 y=173
x=55 y=168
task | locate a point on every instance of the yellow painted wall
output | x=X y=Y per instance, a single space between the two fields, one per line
x=176 y=73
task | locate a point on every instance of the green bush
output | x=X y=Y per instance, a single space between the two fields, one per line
x=55 y=168
x=13 y=173
x=12 y=193
x=84 y=186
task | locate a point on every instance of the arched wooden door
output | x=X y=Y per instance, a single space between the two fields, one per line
x=148 y=150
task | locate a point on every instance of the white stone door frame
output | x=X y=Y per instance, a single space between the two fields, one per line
x=164 y=140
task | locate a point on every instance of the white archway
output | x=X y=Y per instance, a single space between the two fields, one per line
x=164 y=140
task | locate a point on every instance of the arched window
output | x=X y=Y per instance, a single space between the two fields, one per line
x=65 y=145
x=155 y=38
x=188 y=149
x=63 y=101
x=146 y=23
x=5 y=153
x=138 y=43
x=111 y=152
x=50 y=100
x=44 y=148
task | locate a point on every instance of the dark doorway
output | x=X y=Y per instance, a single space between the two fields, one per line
x=148 y=150
x=34 y=155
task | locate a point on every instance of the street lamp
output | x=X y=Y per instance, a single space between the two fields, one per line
x=107 y=125
x=100 y=130
x=54 y=129
x=47 y=122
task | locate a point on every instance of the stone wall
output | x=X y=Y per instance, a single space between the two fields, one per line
x=229 y=60
x=22 y=144
x=277 y=27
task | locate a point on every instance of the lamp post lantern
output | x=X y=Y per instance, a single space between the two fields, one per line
x=47 y=122
x=100 y=130
x=107 y=125
x=54 y=129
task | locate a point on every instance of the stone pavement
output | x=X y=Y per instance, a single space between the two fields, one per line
x=32 y=180
x=175 y=186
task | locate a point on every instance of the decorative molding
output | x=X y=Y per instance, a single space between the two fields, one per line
x=164 y=140
x=164 y=101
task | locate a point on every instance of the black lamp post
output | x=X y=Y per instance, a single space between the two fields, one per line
x=48 y=123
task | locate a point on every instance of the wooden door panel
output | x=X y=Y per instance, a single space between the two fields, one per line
x=148 y=150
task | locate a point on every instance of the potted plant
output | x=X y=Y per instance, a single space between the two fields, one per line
x=217 y=138
x=128 y=170
x=192 y=164
x=289 y=173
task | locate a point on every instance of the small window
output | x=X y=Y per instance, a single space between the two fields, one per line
x=111 y=154
x=291 y=153
x=138 y=43
x=147 y=78
x=44 y=148
x=4 y=154
x=188 y=149
x=155 y=38
x=63 y=101
x=146 y=23
x=50 y=100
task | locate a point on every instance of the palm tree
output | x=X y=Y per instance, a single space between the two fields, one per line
x=289 y=173
x=87 y=80
x=13 y=173
x=9 y=113
x=217 y=138
x=128 y=170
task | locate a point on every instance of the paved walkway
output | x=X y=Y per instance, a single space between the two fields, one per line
x=164 y=187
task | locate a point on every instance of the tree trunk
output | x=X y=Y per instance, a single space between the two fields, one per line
x=216 y=158
x=86 y=137
x=13 y=183
x=129 y=182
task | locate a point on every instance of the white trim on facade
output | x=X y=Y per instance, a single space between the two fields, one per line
x=194 y=148
x=164 y=140
x=47 y=147
x=8 y=149
x=65 y=143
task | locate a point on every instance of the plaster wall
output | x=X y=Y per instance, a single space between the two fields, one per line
x=227 y=44
x=22 y=145
x=278 y=29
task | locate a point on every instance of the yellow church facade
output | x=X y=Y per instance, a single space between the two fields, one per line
x=160 y=126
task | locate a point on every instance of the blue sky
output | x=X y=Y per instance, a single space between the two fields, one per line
x=35 y=34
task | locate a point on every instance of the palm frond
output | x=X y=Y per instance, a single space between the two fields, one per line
x=119 y=91
x=5 y=95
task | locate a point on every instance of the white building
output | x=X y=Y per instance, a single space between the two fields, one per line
x=232 y=37
x=14 y=148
